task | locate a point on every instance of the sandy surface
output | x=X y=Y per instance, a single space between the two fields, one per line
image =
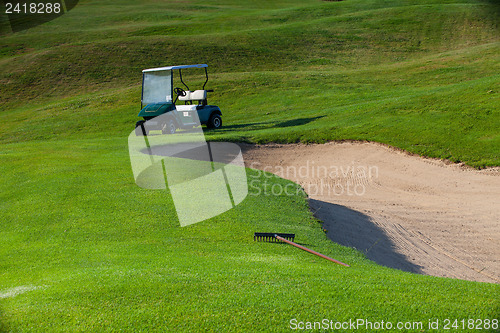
x=407 y=212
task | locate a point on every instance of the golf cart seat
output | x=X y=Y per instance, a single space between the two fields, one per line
x=188 y=107
x=197 y=95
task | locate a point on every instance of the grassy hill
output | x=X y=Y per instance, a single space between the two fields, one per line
x=420 y=75
x=82 y=248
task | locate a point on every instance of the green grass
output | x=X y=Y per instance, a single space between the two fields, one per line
x=95 y=252
x=105 y=254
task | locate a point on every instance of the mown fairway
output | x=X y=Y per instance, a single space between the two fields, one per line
x=82 y=248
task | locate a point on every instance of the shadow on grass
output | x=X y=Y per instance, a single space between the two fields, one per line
x=238 y=126
x=220 y=152
x=495 y=4
x=351 y=228
x=297 y=122
x=269 y=124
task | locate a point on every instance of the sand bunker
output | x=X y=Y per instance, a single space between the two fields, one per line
x=407 y=212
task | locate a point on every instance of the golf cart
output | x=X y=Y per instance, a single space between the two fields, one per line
x=187 y=110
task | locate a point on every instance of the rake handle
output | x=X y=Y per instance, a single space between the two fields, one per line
x=310 y=251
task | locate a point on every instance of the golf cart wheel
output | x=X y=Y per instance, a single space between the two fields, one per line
x=169 y=127
x=140 y=128
x=215 y=121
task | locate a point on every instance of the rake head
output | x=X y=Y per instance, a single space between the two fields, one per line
x=269 y=237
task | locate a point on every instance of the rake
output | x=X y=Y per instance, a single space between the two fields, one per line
x=270 y=237
x=288 y=238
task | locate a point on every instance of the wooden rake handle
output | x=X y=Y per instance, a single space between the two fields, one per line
x=310 y=251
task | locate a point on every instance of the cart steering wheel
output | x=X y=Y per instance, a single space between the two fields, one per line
x=180 y=92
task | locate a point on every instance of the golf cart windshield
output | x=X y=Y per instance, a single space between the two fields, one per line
x=156 y=87
x=157 y=83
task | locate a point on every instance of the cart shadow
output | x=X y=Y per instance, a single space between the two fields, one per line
x=270 y=124
x=354 y=229
x=238 y=126
x=297 y=122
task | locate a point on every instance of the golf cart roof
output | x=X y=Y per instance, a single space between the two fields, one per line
x=169 y=68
